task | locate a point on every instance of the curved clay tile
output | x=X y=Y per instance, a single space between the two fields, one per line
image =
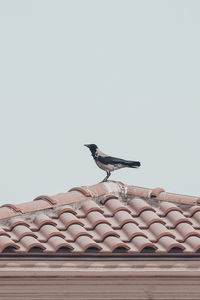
x=30 y=242
x=75 y=230
x=140 y=242
x=131 y=230
x=186 y=230
x=65 y=208
x=68 y=219
x=48 y=231
x=123 y=217
x=149 y=217
x=196 y=216
x=177 y=249
x=34 y=206
x=107 y=197
x=175 y=198
x=10 y=249
x=95 y=218
x=83 y=190
x=149 y=249
x=168 y=244
x=89 y=206
x=102 y=231
x=85 y=242
x=156 y=192
x=6 y=242
x=17 y=221
x=3 y=232
x=194 y=209
x=42 y=219
x=195 y=223
x=105 y=188
x=6 y=212
x=113 y=243
x=15 y=208
x=194 y=243
x=139 y=205
x=114 y=205
x=57 y=242
x=159 y=230
x=68 y=198
x=138 y=191
x=20 y=231
x=48 y=199
x=175 y=217
x=166 y=207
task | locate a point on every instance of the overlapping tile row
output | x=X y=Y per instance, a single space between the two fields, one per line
x=95 y=191
x=110 y=224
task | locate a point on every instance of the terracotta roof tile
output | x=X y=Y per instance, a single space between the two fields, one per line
x=13 y=207
x=113 y=206
x=76 y=230
x=89 y=206
x=129 y=231
x=66 y=219
x=94 y=218
x=167 y=244
x=156 y=192
x=186 y=230
x=105 y=219
x=122 y=217
x=158 y=230
x=20 y=231
x=147 y=218
x=196 y=216
x=102 y=231
x=6 y=242
x=175 y=217
x=17 y=221
x=7 y=212
x=193 y=210
x=106 y=197
x=115 y=243
x=166 y=207
x=65 y=208
x=3 y=232
x=86 y=242
x=138 y=206
x=140 y=243
x=29 y=242
x=42 y=219
x=194 y=242
x=47 y=231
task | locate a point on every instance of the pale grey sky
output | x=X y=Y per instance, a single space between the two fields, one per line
x=122 y=74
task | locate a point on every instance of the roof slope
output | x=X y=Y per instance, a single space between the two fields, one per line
x=104 y=219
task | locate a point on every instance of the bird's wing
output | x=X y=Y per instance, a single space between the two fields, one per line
x=112 y=160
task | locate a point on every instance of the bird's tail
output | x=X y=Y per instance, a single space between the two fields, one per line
x=133 y=164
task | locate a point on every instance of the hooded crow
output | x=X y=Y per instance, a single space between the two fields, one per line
x=109 y=163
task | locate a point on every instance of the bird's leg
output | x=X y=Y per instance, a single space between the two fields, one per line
x=107 y=176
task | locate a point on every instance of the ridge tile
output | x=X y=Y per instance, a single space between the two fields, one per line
x=108 y=218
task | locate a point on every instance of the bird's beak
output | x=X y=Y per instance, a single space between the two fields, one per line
x=86 y=145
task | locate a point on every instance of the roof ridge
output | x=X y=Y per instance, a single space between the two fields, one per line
x=160 y=194
x=96 y=191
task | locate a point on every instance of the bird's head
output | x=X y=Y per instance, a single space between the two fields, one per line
x=92 y=147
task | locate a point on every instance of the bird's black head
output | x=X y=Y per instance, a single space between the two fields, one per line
x=92 y=148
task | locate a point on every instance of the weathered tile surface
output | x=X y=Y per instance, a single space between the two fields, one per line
x=105 y=218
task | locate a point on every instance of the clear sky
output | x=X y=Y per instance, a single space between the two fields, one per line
x=122 y=74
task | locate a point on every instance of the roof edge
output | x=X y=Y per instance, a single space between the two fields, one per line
x=98 y=192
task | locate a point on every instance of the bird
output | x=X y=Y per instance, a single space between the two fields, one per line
x=109 y=163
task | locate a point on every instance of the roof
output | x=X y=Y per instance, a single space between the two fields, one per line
x=106 y=219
